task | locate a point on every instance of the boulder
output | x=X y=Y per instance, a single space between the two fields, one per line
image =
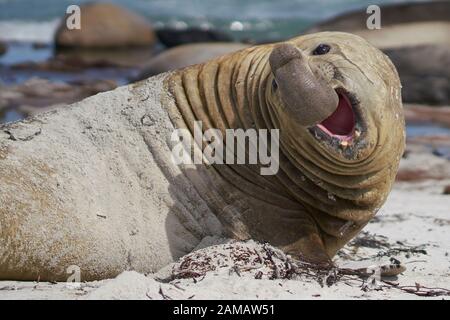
x=39 y=95
x=404 y=24
x=100 y=58
x=446 y=189
x=415 y=36
x=420 y=164
x=424 y=72
x=425 y=114
x=3 y=48
x=105 y=25
x=172 y=37
x=186 y=55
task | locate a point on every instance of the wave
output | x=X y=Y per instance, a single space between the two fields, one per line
x=28 y=31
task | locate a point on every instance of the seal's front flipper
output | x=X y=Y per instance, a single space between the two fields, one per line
x=294 y=232
x=309 y=249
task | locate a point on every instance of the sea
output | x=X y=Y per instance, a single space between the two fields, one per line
x=36 y=20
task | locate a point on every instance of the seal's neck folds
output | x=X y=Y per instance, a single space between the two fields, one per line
x=222 y=93
x=231 y=92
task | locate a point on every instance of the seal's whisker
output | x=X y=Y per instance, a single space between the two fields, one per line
x=341 y=67
x=337 y=60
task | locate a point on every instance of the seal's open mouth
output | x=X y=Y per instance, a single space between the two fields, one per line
x=341 y=124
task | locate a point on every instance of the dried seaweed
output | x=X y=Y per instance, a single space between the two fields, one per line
x=267 y=262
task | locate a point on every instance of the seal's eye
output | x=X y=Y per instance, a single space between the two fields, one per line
x=321 y=49
x=274 y=85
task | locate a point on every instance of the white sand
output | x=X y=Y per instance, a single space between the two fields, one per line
x=416 y=215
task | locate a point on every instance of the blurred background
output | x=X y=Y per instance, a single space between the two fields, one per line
x=43 y=65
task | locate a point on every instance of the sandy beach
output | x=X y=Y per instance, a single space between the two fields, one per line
x=412 y=227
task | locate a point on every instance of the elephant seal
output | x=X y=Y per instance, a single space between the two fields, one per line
x=186 y=55
x=92 y=187
x=333 y=96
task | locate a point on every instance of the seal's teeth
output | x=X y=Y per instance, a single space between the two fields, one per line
x=357 y=133
x=344 y=143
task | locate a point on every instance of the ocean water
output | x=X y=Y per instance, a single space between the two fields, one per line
x=36 y=20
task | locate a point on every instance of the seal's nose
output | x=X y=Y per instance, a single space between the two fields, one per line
x=309 y=100
x=283 y=54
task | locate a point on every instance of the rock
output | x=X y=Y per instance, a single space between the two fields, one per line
x=173 y=37
x=433 y=60
x=426 y=89
x=415 y=37
x=38 y=95
x=405 y=24
x=421 y=164
x=413 y=175
x=106 y=25
x=415 y=113
x=446 y=189
x=186 y=55
x=121 y=57
x=3 y=48
x=62 y=63
x=424 y=72
x=79 y=60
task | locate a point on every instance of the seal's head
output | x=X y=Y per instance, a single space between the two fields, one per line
x=339 y=90
x=336 y=100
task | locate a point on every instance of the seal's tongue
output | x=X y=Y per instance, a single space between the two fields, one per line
x=342 y=121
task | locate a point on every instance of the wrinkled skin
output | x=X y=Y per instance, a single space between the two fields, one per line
x=93 y=185
x=328 y=186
